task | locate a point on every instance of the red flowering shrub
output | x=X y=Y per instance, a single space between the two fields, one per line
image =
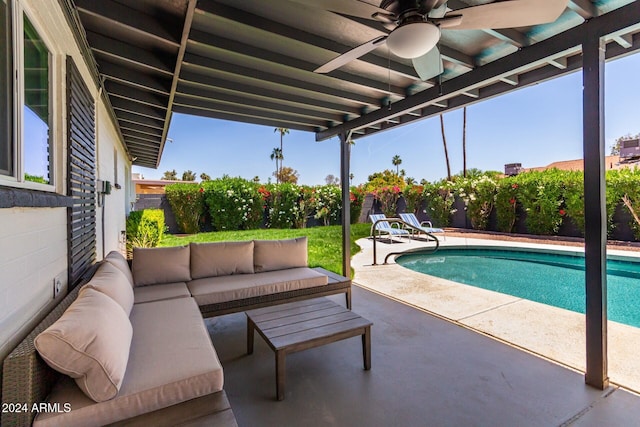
x=187 y=204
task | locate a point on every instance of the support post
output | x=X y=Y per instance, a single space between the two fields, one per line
x=345 y=154
x=593 y=55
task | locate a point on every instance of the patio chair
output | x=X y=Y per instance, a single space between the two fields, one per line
x=384 y=227
x=411 y=219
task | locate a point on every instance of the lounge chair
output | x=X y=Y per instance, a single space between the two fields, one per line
x=384 y=227
x=411 y=219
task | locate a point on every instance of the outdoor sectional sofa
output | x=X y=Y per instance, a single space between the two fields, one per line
x=132 y=341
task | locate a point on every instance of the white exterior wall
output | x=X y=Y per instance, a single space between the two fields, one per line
x=33 y=241
x=115 y=204
x=33 y=251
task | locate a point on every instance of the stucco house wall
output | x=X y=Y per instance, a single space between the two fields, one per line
x=33 y=240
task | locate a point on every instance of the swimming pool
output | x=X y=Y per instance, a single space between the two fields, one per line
x=552 y=278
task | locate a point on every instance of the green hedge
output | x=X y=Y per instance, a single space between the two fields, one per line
x=547 y=200
x=624 y=186
x=439 y=198
x=187 y=205
x=238 y=204
x=285 y=209
x=233 y=204
x=145 y=229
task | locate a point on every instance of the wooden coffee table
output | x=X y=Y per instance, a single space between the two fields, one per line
x=300 y=325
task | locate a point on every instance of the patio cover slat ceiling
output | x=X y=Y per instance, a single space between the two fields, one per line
x=253 y=62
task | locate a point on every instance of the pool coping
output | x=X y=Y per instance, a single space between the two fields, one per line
x=550 y=332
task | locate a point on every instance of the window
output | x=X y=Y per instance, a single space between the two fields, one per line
x=6 y=101
x=26 y=143
x=35 y=116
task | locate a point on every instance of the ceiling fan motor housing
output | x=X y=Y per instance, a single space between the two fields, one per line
x=413 y=39
x=399 y=7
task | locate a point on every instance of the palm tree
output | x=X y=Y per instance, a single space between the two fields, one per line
x=444 y=142
x=276 y=155
x=464 y=142
x=188 y=175
x=283 y=132
x=171 y=175
x=396 y=162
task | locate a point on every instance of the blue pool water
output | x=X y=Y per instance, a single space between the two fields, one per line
x=549 y=278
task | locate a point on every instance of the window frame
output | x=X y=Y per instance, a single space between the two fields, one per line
x=9 y=101
x=18 y=13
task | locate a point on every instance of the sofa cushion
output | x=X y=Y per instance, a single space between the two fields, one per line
x=221 y=259
x=212 y=290
x=171 y=361
x=269 y=255
x=109 y=280
x=152 y=293
x=90 y=343
x=119 y=261
x=153 y=266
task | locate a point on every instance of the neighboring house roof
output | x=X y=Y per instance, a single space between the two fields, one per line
x=611 y=162
x=162 y=182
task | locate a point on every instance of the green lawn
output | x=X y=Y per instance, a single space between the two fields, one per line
x=325 y=243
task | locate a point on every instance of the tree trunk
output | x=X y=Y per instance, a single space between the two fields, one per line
x=281 y=153
x=446 y=152
x=464 y=142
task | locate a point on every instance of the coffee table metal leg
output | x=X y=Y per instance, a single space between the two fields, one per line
x=366 y=348
x=250 y=329
x=280 y=374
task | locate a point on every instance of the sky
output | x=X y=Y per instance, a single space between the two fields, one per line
x=534 y=126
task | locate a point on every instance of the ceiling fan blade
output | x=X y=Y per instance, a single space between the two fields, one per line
x=390 y=26
x=386 y=18
x=509 y=14
x=450 y=21
x=428 y=65
x=350 y=55
x=357 y=8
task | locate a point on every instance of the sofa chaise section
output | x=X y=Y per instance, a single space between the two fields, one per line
x=171 y=361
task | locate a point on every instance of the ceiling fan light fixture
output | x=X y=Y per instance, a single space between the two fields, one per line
x=414 y=39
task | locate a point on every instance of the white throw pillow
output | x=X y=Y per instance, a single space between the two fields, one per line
x=110 y=281
x=90 y=342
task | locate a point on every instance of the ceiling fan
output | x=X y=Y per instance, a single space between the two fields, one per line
x=415 y=25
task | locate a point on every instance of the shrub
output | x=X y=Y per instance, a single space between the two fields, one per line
x=145 y=229
x=233 y=203
x=506 y=204
x=388 y=198
x=413 y=197
x=187 y=204
x=623 y=187
x=478 y=194
x=573 y=196
x=440 y=198
x=356 y=198
x=285 y=211
x=541 y=197
x=306 y=204
x=327 y=203
x=386 y=178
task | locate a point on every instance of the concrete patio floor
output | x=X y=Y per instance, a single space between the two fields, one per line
x=548 y=331
x=426 y=371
